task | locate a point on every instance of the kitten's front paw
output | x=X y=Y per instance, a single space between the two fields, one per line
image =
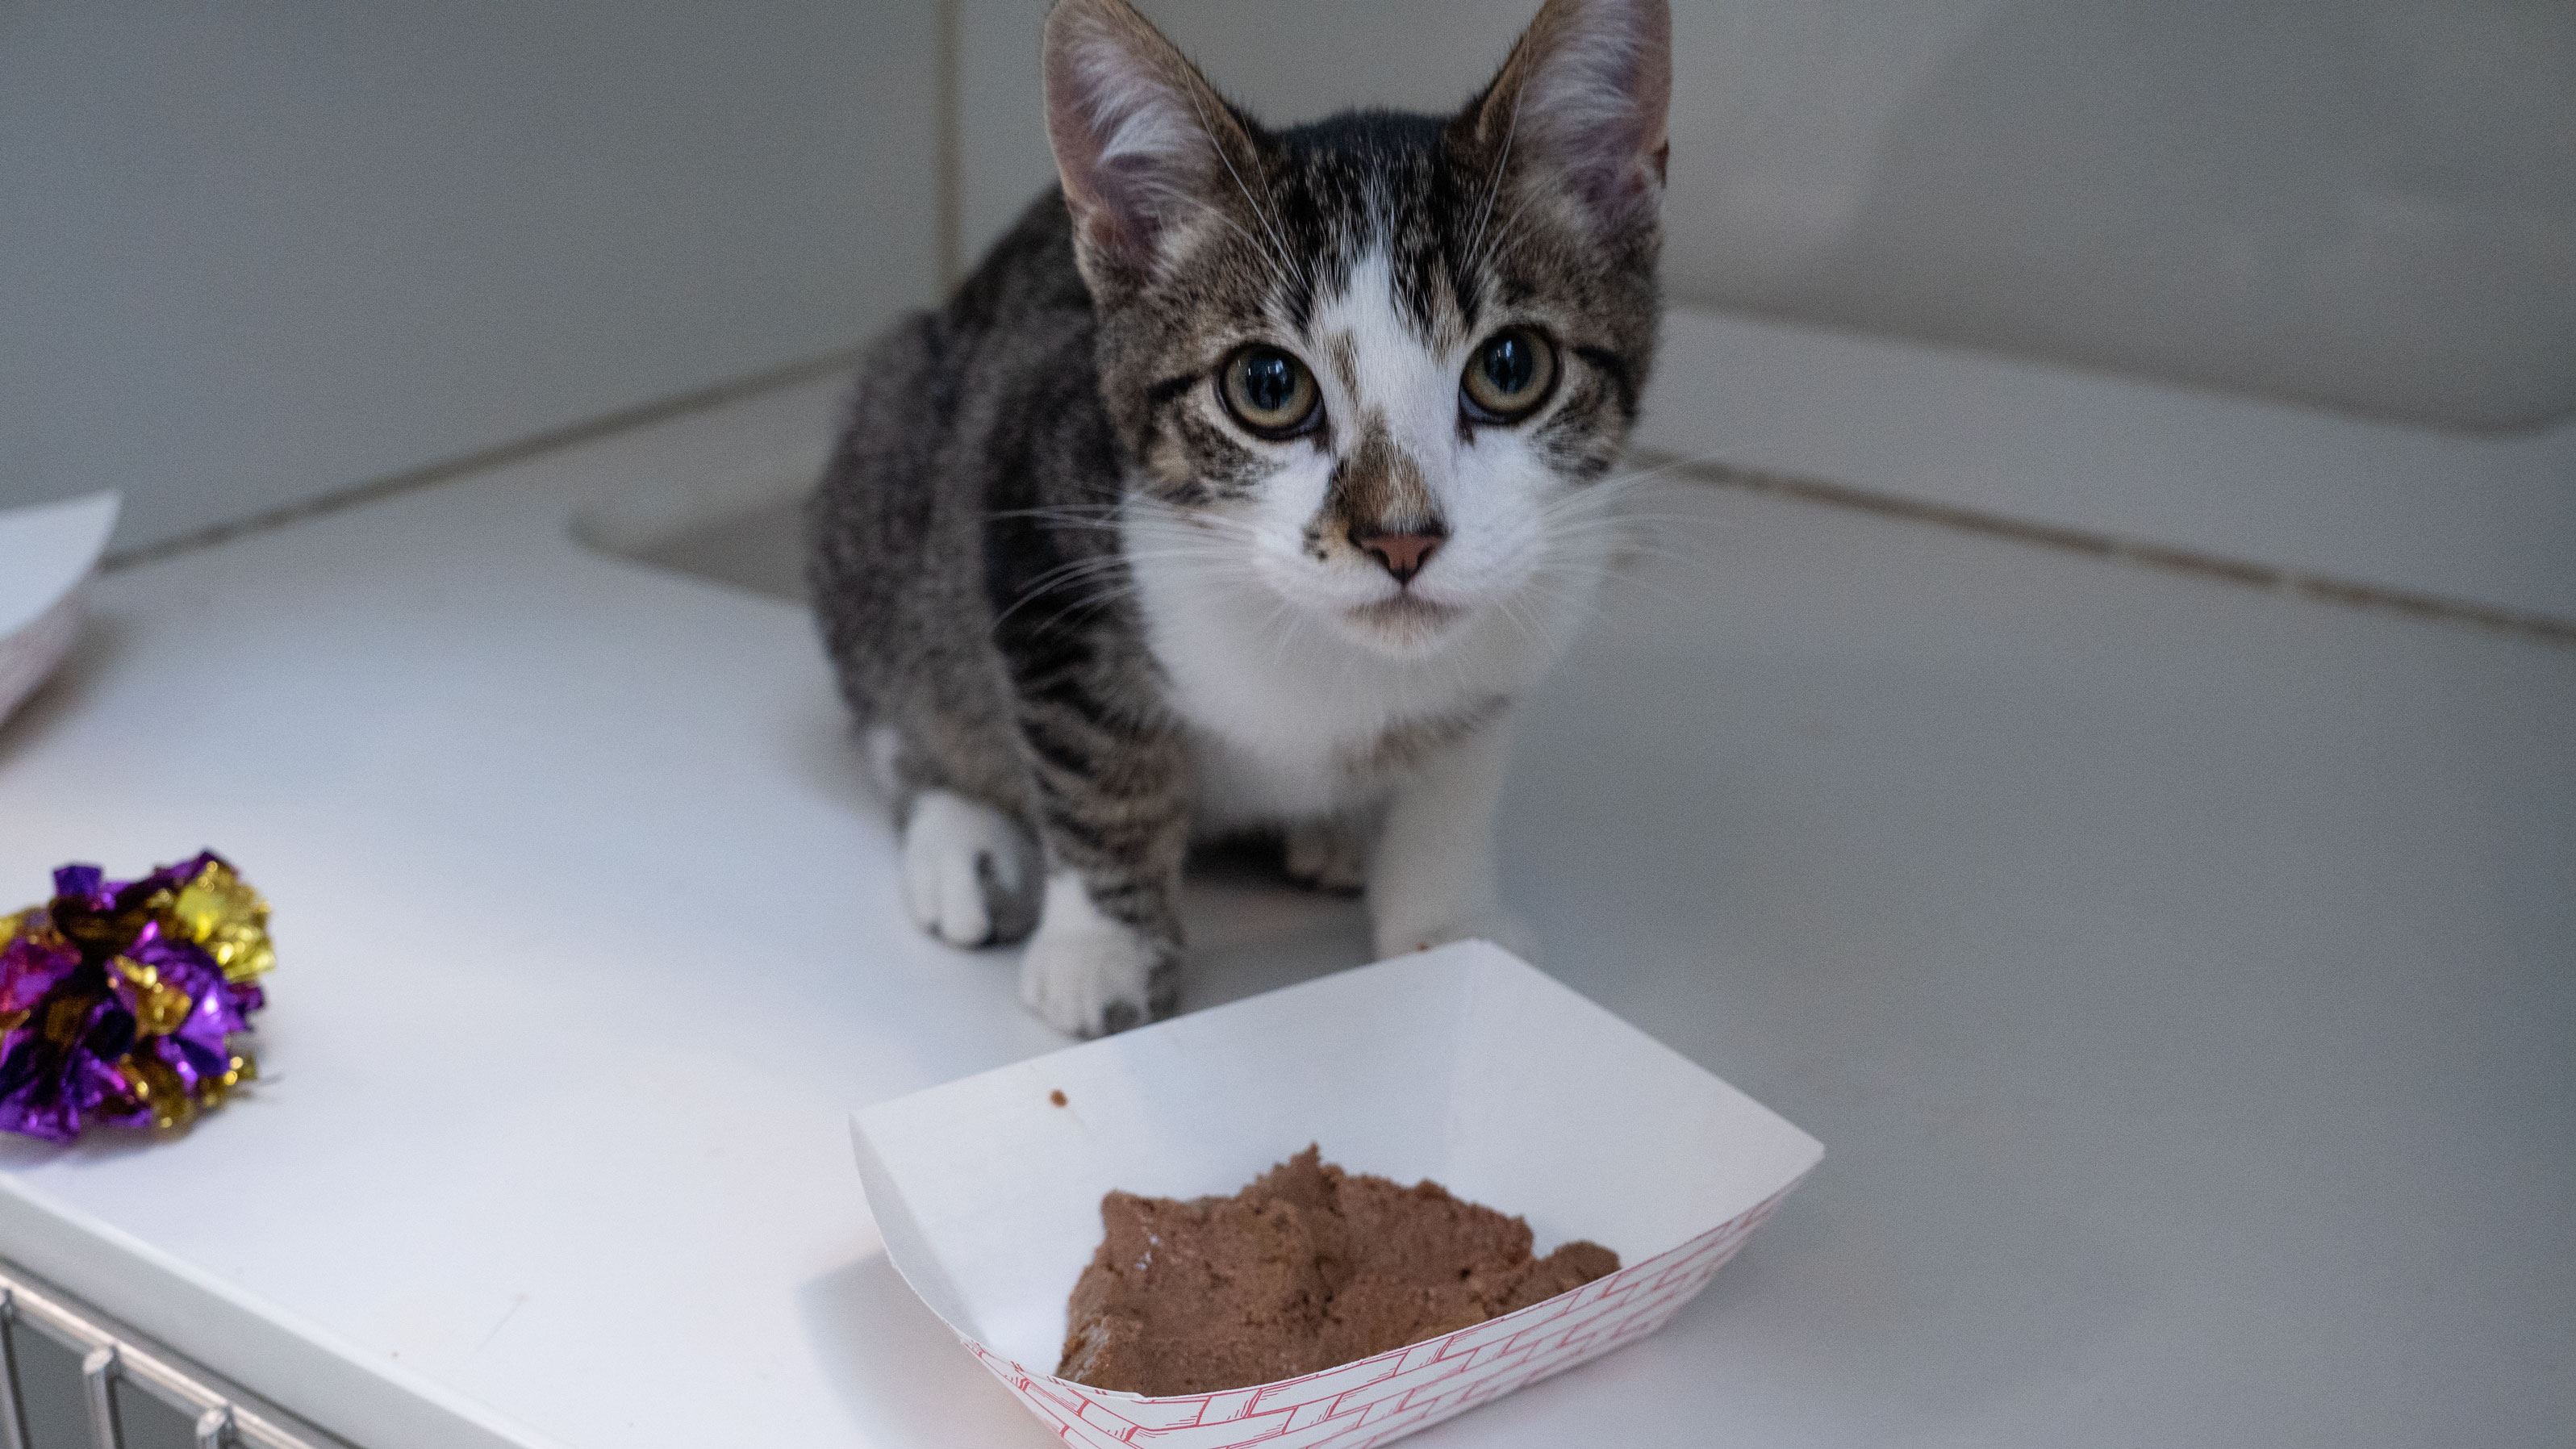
x=969 y=874
x=1092 y=976
x=1327 y=855
x=1397 y=935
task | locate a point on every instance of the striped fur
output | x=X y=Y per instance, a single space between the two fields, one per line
x=1065 y=589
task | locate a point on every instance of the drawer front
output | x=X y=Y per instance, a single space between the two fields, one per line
x=72 y=1379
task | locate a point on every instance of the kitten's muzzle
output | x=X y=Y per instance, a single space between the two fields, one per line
x=1402 y=555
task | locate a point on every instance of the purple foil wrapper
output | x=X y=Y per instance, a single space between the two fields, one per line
x=115 y=1008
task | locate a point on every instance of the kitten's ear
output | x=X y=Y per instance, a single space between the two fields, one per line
x=1582 y=101
x=1142 y=141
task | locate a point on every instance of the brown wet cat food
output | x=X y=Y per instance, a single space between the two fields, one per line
x=1307 y=1268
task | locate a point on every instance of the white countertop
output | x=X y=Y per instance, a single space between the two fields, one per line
x=2183 y=981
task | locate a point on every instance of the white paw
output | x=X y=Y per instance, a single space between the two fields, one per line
x=967 y=871
x=1327 y=854
x=1087 y=974
x=1397 y=935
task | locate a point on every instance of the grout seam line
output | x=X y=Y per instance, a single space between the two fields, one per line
x=2292 y=583
x=948 y=147
x=517 y=450
x=2288 y=582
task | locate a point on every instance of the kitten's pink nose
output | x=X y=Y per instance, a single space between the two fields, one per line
x=1404 y=554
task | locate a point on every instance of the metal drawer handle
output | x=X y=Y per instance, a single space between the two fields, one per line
x=98 y=1386
x=107 y=1361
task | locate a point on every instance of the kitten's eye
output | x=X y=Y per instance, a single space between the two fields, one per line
x=1268 y=391
x=1509 y=376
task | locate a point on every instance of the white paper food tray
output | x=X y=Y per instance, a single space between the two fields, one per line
x=47 y=552
x=1464 y=1065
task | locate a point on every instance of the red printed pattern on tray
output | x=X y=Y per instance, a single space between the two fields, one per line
x=1377 y=1400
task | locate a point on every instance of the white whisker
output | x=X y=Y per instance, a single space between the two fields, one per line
x=1494 y=184
x=1284 y=256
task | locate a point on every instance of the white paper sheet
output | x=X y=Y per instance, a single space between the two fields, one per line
x=46 y=552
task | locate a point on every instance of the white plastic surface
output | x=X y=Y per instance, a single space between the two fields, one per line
x=2180 y=975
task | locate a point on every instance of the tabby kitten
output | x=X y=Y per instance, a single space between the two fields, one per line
x=1249 y=483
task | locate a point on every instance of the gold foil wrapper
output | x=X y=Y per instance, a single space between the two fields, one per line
x=226 y=917
x=167 y=1075
x=159 y=1009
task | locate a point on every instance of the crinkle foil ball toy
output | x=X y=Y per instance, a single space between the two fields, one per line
x=119 y=999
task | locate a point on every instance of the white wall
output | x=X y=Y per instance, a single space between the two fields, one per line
x=250 y=253
x=253 y=253
x=2368 y=204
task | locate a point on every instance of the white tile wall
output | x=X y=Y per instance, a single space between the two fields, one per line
x=2367 y=206
x=253 y=253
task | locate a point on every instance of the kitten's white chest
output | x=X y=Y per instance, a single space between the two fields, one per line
x=1290 y=722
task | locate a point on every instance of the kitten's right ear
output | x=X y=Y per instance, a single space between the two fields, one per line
x=1142 y=141
x=1579 y=108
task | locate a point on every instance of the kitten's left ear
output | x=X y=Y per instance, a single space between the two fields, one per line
x=1582 y=100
